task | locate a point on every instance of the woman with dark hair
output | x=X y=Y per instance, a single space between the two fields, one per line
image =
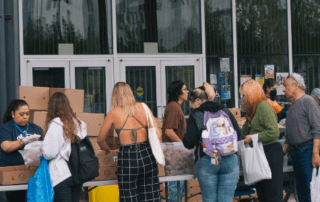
x=15 y=133
x=138 y=175
x=270 y=89
x=174 y=124
x=261 y=119
x=217 y=182
x=62 y=128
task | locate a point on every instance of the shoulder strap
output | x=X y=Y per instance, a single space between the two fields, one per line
x=138 y=121
x=125 y=122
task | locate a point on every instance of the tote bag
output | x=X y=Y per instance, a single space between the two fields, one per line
x=254 y=162
x=153 y=138
x=315 y=185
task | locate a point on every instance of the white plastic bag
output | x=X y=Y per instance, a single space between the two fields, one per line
x=315 y=185
x=254 y=162
x=31 y=153
x=154 y=139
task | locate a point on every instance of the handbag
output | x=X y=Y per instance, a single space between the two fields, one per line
x=315 y=185
x=40 y=187
x=153 y=138
x=254 y=162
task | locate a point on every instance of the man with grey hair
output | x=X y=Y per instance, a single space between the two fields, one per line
x=302 y=134
x=316 y=95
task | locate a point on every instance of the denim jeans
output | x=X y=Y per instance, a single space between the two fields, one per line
x=173 y=190
x=67 y=191
x=218 y=182
x=302 y=166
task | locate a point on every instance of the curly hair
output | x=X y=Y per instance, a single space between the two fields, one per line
x=174 y=90
x=122 y=96
x=13 y=106
x=59 y=106
x=254 y=94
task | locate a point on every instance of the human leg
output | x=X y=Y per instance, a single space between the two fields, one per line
x=63 y=191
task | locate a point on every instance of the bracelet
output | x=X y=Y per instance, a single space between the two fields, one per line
x=21 y=142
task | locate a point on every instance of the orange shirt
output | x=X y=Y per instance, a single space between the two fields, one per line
x=277 y=108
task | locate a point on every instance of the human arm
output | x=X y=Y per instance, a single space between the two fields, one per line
x=268 y=120
x=53 y=140
x=315 y=153
x=104 y=131
x=171 y=121
x=11 y=146
x=191 y=137
x=172 y=135
x=244 y=130
x=285 y=148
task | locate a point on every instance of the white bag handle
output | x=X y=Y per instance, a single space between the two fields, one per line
x=149 y=116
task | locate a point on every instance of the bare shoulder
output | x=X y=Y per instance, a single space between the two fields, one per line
x=118 y=111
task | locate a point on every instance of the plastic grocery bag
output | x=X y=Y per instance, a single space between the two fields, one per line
x=315 y=185
x=31 y=153
x=254 y=162
x=40 y=187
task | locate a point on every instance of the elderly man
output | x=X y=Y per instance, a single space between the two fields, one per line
x=316 y=95
x=302 y=134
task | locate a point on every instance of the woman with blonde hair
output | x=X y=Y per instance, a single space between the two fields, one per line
x=217 y=181
x=62 y=128
x=261 y=119
x=138 y=176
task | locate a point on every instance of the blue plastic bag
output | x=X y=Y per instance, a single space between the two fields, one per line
x=40 y=185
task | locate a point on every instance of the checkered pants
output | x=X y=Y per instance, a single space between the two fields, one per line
x=138 y=176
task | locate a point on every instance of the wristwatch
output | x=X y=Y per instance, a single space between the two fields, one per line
x=21 y=142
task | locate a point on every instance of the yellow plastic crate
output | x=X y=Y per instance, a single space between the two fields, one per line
x=108 y=193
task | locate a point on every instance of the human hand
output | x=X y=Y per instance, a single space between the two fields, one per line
x=30 y=138
x=315 y=160
x=247 y=139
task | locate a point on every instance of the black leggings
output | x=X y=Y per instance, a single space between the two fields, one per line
x=272 y=190
x=67 y=191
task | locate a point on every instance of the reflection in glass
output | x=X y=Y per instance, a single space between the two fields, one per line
x=186 y=75
x=84 y=23
x=309 y=68
x=175 y=26
x=142 y=80
x=92 y=80
x=262 y=27
x=48 y=77
x=218 y=16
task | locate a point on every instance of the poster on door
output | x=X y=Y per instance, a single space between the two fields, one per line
x=225 y=64
x=281 y=78
x=225 y=92
x=244 y=78
x=269 y=71
x=260 y=79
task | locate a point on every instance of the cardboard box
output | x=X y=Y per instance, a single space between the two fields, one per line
x=161 y=171
x=107 y=173
x=94 y=122
x=16 y=174
x=36 y=97
x=109 y=160
x=76 y=97
x=38 y=118
x=236 y=112
x=94 y=143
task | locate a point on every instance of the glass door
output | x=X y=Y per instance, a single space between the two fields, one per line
x=46 y=73
x=96 y=78
x=186 y=70
x=144 y=82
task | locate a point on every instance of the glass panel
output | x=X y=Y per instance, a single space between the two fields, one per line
x=218 y=27
x=262 y=27
x=48 y=77
x=92 y=80
x=185 y=74
x=213 y=67
x=305 y=26
x=309 y=68
x=84 y=24
x=172 y=26
x=142 y=80
x=252 y=65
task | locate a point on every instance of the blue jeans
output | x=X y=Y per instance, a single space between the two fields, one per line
x=218 y=182
x=173 y=190
x=302 y=166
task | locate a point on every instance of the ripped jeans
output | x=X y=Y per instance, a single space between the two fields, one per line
x=218 y=182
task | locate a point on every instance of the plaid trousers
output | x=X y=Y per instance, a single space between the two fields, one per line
x=138 y=176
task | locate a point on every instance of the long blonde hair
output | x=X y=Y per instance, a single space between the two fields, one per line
x=254 y=94
x=59 y=106
x=122 y=96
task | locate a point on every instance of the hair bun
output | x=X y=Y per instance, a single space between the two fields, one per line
x=209 y=91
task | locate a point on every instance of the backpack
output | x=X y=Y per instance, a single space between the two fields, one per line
x=219 y=138
x=83 y=164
